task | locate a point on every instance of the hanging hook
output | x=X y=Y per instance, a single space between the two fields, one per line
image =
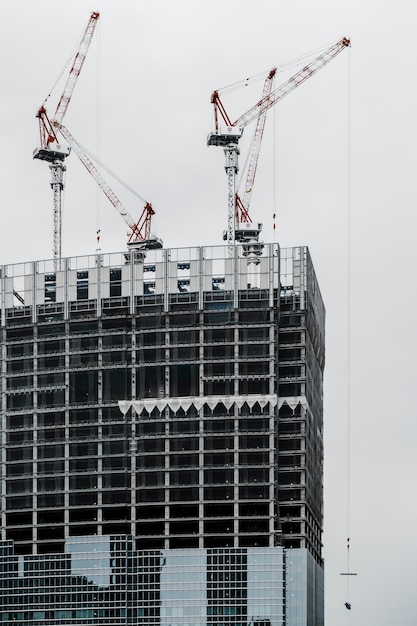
x=348 y=573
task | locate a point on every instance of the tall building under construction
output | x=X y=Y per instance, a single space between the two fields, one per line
x=162 y=439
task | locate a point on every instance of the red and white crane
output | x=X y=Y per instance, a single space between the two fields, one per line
x=242 y=205
x=229 y=137
x=140 y=237
x=50 y=149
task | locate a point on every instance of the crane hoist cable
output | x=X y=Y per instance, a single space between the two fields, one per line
x=63 y=70
x=348 y=573
x=280 y=68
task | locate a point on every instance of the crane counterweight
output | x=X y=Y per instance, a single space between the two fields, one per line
x=57 y=153
x=230 y=136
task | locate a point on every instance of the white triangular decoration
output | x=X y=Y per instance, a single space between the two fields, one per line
x=185 y=404
x=212 y=402
x=138 y=406
x=228 y=402
x=149 y=405
x=263 y=401
x=124 y=406
x=161 y=404
x=293 y=402
x=251 y=402
x=174 y=404
x=198 y=403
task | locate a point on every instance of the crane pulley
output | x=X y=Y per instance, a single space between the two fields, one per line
x=75 y=70
x=229 y=137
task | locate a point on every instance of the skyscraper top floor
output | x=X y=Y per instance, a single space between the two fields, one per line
x=101 y=283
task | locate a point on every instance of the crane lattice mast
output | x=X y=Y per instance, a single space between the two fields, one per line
x=50 y=150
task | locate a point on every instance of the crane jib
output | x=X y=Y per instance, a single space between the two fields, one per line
x=306 y=72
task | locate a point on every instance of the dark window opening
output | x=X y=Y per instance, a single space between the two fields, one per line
x=184 y=380
x=218 y=493
x=83 y=387
x=150 y=382
x=183 y=528
x=218 y=510
x=50 y=287
x=82 y=285
x=115 y=283
x=183 y=510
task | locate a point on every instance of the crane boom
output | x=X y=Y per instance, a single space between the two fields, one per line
x=46 y=126
x=309 y=70
x=76 y=68
x=242 y=205
x=140 y=231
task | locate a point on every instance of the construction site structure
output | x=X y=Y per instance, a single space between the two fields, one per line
x=161 y=423
x=162 y=439
x=50 y=149
x=228 y=138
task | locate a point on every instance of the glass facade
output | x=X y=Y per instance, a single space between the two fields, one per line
x=164 y=411
x=103 y=580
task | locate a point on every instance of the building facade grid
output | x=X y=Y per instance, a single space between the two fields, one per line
x=175 y=402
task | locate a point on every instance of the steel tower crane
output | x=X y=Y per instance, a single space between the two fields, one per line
x=245 y=230
x=242 y=205
x=229 y=138
x=139 y=236
x=50 y=149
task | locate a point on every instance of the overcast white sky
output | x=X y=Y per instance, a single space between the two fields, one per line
x=143 y=104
